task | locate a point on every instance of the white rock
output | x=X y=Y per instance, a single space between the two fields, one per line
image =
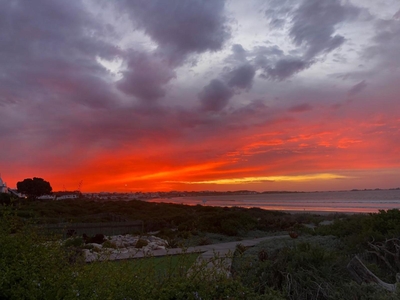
x=98 y=246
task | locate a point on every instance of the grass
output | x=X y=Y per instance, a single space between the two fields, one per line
x=166 y=266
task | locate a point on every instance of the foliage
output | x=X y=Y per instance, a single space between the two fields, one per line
x=74 y=242
x=141 y=243
x=308 y=268
x=109 y=244
x=34 y=187
x=37 y=267
x=5 y=199
x=33 y=267
x=357 y=230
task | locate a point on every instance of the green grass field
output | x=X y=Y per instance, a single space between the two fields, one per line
x=154 y=266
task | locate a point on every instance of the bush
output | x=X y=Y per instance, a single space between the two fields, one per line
x=141 y=243
x=204 y=241
x=109 y=244
x=5 y=199
x=74 y=242
x=31 y=266
x=173 y=243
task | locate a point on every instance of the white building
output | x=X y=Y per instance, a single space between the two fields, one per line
x=47 y=197
x=65 y=197
x=3 y=186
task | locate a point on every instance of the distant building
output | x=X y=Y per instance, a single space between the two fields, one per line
x=47 y=197
x=65 y=197
x=15 y=193
x=3 y=186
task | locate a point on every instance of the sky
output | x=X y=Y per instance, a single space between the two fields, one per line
x=148 y=95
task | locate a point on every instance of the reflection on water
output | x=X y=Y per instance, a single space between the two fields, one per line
x=348 y=201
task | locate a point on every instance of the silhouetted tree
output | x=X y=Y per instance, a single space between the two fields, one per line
x=34 y=188
x=5 y=199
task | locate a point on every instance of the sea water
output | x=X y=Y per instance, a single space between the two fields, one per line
x=341 y=201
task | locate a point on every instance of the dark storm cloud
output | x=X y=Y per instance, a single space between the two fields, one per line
x=285 y=68
x=215 y=96
x=313 y=25
x=357 y=88
x=278 y=12
x=49 y=50
x=146 y=76
x=242 y=76
x=238 y=53
x=240 y=72
x=181 y=27
x=386 y=44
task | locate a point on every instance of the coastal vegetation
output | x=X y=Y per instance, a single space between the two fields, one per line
x=313 y=264
x=34 y=187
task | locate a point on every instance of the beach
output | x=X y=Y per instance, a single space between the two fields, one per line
x=368 y=201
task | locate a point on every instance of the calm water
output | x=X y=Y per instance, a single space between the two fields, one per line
x=354 y=201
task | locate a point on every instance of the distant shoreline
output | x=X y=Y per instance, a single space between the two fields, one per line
x=349 y=202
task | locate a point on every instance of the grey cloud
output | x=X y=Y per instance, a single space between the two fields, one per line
x=277 y=23
x=357 y=88
x=264 y=56
x=242 y=76
x=386 y=44
x=312 y=29
x=313 y=25
x=276 y=65
x=238 y=52
x=278 y=12
x=49 y=51
x=215 y=96
x=300 y=108
x=146 y=76
x=181 y=27
x=285 y=68
x=238 y=56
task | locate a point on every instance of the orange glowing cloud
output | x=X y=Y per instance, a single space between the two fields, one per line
x=292 y=178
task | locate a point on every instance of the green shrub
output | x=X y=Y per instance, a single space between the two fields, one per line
x=204 y=241
x=5 y=199
x=109 y=244
x=185 y=234
x=32 y=267
x=74 y=242
x=173 y=243
x=240 y=248
x=141 y=243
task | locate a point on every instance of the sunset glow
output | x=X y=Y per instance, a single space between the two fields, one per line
x=246 y=180
x=200 y=95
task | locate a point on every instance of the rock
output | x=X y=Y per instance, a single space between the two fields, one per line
x=97 y=246
x=126 y=245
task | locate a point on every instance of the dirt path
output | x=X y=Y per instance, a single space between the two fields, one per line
x=219 y=256
x=215 y=255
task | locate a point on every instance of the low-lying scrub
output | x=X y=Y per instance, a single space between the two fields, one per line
x=306 y=268
x=34 y=266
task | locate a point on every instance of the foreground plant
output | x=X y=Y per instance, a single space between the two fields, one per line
x=36 y=267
